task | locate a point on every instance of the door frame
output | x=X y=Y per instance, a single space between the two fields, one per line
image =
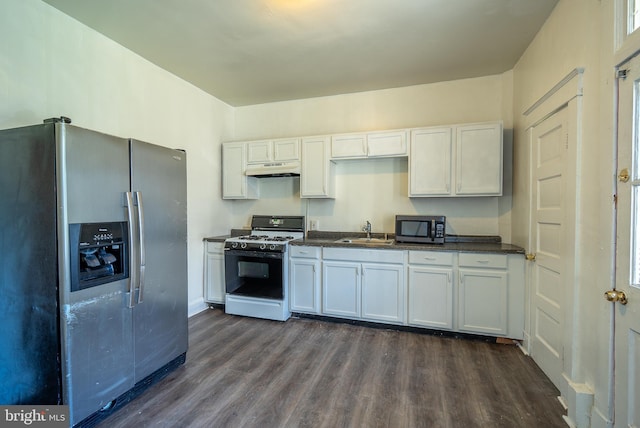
x=577 y=398
x=620 y=349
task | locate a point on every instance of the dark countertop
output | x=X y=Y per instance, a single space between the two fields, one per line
x=220 y=238
x=468 y=247
x=455 y=243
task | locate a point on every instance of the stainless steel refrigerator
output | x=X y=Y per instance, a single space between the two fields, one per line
x=93 y=267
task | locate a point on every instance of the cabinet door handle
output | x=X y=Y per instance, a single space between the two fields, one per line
x=449 y=277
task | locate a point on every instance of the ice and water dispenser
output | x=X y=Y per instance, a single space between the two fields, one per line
x=99 y=253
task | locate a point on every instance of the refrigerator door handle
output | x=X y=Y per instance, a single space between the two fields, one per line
x=133 y=271
x=141 y=245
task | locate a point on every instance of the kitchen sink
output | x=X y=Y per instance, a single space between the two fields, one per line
x=365 y=241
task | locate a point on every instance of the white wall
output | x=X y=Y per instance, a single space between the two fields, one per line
x=51 y=65
x=579 y=33
x=376 y=190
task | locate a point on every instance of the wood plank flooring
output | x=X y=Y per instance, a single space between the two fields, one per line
x=244 y=372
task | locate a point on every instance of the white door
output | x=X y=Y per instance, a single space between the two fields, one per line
x=627 y=317
x=548 y=287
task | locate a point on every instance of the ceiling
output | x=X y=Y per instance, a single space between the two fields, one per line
x=256 y=51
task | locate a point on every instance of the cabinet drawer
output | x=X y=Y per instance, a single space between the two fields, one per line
x=363 y=255
x=486 y=260
x=305 y=252
x=430 y=258
x=215 y=247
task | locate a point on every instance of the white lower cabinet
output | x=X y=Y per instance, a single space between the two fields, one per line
x=341 y=289
x=431 y=287
x=483 y=301
x=478 y=293
x=382 y=292
x=214 y=272
x=363 y=284
x=304 y=280
x=483 y=293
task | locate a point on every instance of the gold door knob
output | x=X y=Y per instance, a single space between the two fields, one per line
x=531 y=257
x=624 y=175
x=616 y=296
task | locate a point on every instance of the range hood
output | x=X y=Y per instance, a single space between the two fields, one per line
x=274 y=169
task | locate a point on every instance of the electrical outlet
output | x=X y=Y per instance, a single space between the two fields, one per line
x=313 y=225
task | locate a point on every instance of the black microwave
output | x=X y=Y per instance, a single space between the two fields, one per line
x=421 y=229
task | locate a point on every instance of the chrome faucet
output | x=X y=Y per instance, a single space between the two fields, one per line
x=367 y=228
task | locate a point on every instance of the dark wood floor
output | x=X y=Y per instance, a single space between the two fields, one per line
x=243 y=372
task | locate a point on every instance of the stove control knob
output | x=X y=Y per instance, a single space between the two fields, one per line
x=234 y=245
x=243 y=245
x=263 y=246
x=272 y=246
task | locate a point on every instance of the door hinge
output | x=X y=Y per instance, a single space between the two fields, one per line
x=622 y=73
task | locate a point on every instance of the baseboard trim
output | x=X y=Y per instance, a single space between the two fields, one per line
x=196 y=306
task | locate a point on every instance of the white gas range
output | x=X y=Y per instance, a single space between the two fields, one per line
x=257 y=269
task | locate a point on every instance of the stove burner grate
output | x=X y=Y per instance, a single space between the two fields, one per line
x=265 y=238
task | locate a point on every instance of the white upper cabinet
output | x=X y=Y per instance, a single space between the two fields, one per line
x=349 y=146
x=259 y=152
x=444 y=161
x=430 y=162
x=282 y=150
x=317 y=178
x=235 y=184
x=479 y=159
x=368 y=145
x=387 y=144
x=462 y=160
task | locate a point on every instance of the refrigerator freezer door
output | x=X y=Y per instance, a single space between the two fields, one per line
x=96 y=323
x=97 y=176
x=160 y=318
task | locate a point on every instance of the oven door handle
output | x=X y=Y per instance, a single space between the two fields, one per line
x=250 y=253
